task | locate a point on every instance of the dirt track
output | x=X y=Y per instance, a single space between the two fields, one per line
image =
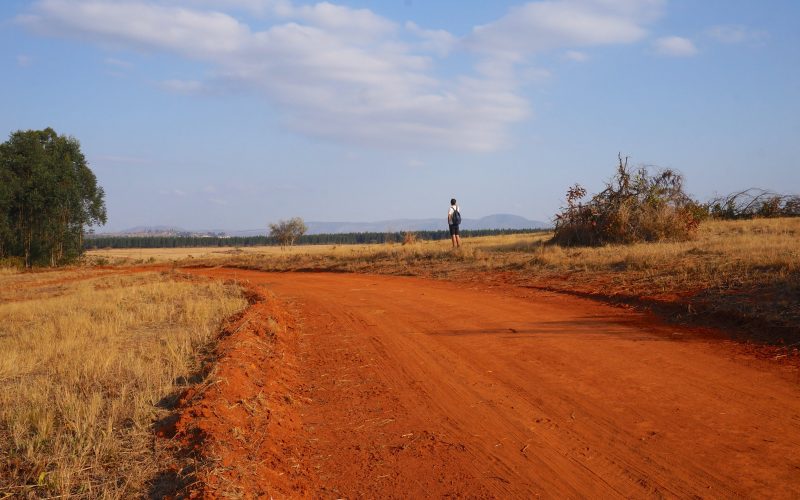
x=415 y=388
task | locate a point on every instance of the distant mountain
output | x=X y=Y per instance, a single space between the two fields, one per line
x=496 y=221
x=159 y=231
x=153 y=229
x=503 y=221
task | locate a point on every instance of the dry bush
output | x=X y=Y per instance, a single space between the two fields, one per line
x=85 y=363
x=635 y=206
x=409 y=238
x=752 y=203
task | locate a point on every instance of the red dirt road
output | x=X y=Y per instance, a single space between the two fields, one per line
x=406 y=387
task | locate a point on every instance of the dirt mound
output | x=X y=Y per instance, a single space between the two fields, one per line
x=235 y=432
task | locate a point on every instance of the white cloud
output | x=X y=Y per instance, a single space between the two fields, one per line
x=184 y=86
x=536 y=75
x=577 y=56
x=439 y=42
x=118 y=63
x=675 y=46
x=735 y=33
x=552 y=24
x=349 y=74
x=359 y=25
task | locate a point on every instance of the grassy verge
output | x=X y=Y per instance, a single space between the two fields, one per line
x=744 y=274
x=86 y=361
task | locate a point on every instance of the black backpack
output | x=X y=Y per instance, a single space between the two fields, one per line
x=456 y=217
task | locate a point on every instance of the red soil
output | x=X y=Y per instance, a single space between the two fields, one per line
x=389 y=387
x=240 y=421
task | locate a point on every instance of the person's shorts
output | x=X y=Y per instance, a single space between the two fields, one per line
x=453 y=229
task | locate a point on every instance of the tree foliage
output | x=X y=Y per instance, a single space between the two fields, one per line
x=635 y=206
x=286 y=232
x=48 y=197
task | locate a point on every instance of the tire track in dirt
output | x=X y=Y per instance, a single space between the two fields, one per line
x=415 y=388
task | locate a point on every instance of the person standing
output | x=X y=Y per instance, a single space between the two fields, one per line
x=454 y=220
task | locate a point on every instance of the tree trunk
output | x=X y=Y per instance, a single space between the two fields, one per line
x=27 y=239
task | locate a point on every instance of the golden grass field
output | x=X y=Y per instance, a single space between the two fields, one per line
x=723 y=251
x=86 y=359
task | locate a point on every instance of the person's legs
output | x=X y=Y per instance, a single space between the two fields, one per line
x=454 y=236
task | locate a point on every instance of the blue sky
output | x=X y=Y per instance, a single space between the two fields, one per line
x=234 y=113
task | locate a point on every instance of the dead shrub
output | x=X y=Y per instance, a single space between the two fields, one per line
x=409 y=238
x=752 y=203
x=634 y=207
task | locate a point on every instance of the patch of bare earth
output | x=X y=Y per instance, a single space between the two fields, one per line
x=396 y=387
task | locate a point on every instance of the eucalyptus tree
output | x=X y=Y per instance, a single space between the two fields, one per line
x=50 y=197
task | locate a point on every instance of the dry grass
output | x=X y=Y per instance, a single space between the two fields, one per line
x=85 y=362
x=409 y=238
x=186 y=256
x=122 y=256
x=723 y=254
x=746 y=273
x=389 y=257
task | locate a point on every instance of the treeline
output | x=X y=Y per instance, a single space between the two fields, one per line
x=96 y=242
x=48 y=197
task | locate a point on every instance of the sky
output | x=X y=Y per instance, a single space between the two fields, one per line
x=231 y=114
